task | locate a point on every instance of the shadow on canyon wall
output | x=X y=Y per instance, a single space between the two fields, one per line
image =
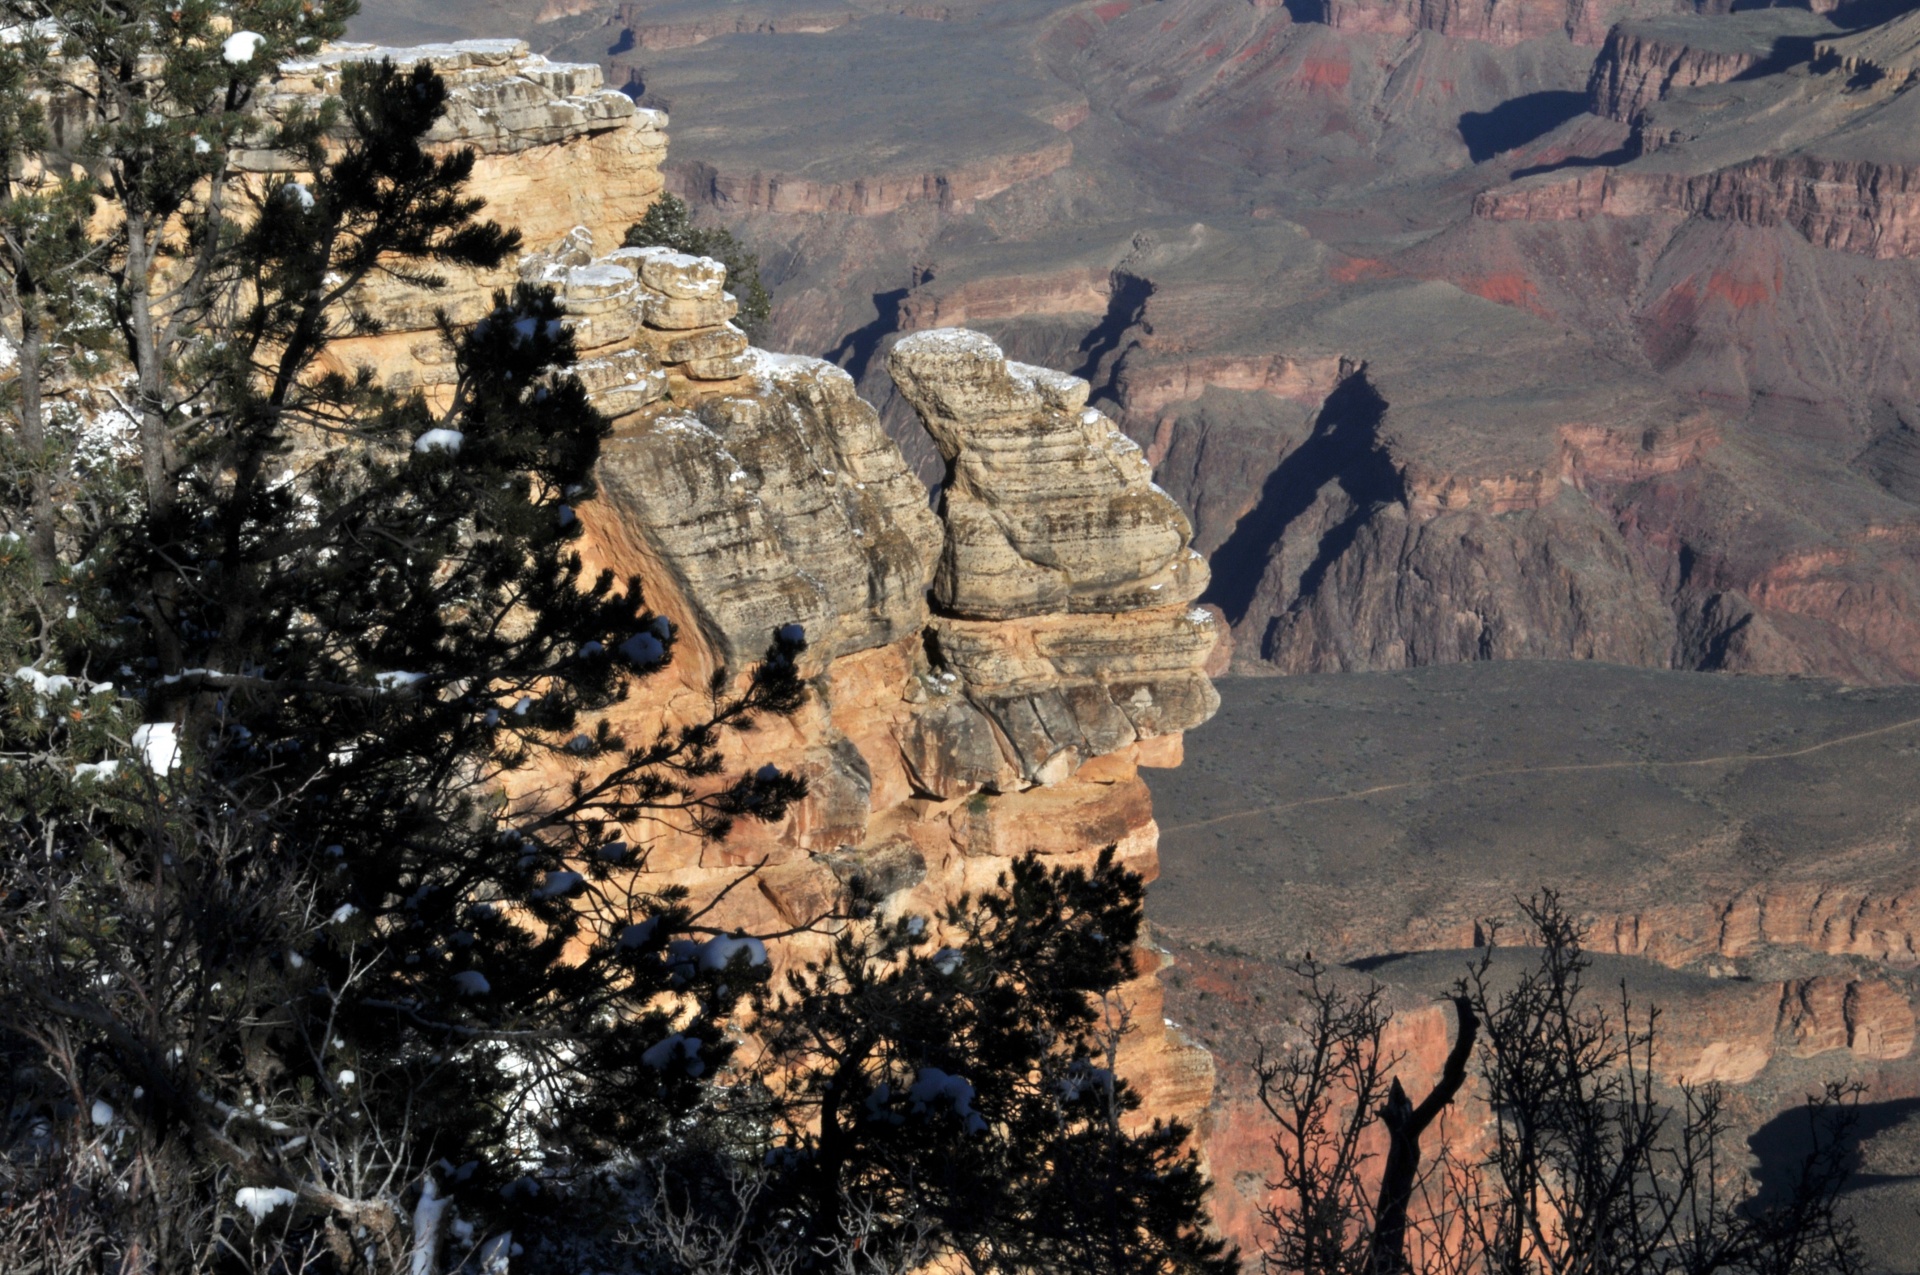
x=1518 y=121
x=1344 y=448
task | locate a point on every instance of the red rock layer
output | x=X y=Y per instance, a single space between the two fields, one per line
x=954 y=189
x=1857 y=206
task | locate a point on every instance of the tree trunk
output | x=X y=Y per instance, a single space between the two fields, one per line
x=1405 y=1124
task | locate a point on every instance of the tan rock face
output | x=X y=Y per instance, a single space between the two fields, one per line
x=1049 y=507
x=559 y=156
x=780 y=503
x=555 y=145
x=748 y=490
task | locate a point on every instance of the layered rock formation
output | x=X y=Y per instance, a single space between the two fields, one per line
x=1644 y=61
x=750 y=490
x=1551 y=264
x=1503 y=22
x=555 y=150
x=940 y=743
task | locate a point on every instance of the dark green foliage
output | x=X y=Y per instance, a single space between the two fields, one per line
x=968 y=1092
x=307 y=948
x=669 y=224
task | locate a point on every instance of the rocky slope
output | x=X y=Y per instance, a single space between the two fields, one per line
x=1501 y=22
x=749 y=490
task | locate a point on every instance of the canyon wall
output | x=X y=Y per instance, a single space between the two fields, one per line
x=1633 y=282
x=1501 y=22
x=985 y=681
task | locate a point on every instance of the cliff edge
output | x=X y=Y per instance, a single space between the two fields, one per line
x=987 y=679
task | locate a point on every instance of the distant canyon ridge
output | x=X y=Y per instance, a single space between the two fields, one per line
x=1537 y=329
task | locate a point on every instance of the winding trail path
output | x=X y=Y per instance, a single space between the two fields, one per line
x=1562 y=769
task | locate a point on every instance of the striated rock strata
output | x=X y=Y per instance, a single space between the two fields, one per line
x=556 y=151
x=938 y=745
x=750 y=490
x=1643 y=61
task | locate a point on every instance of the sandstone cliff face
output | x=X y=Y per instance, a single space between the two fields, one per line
x=942 y=742
x=750 y=490
x=1860 y=206
x=555 y=149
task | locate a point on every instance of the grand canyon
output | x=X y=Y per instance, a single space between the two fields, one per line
x=1528 y=332
x=1369 y=461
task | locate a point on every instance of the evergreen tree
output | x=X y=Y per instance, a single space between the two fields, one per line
x=966 y=1095
x=274 y=946
x=669 y=224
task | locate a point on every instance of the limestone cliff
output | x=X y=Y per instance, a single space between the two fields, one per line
x=985 y=680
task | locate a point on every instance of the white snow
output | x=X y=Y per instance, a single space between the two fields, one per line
x=496 y=1252
x=397 y=681
x=262 y=1200
x=426 y=1228
x=718 y=953
x=241 y=46
x=640 y=933
x=443 y=440
x=44 y=683
x=933 y=1085
x=948 y=959
x=300 y=193
x=97 y=770
x=675 y=1048
x=159 y=745
x=342 y=914
x=601 y=274
x=347 y=1078
x=471 y=983
x=949 y=341
x=102 y=1113
x=558 y=884
x=643 y=649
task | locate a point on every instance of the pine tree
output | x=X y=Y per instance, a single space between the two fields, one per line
x=275 y=947
x=965 y=1098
